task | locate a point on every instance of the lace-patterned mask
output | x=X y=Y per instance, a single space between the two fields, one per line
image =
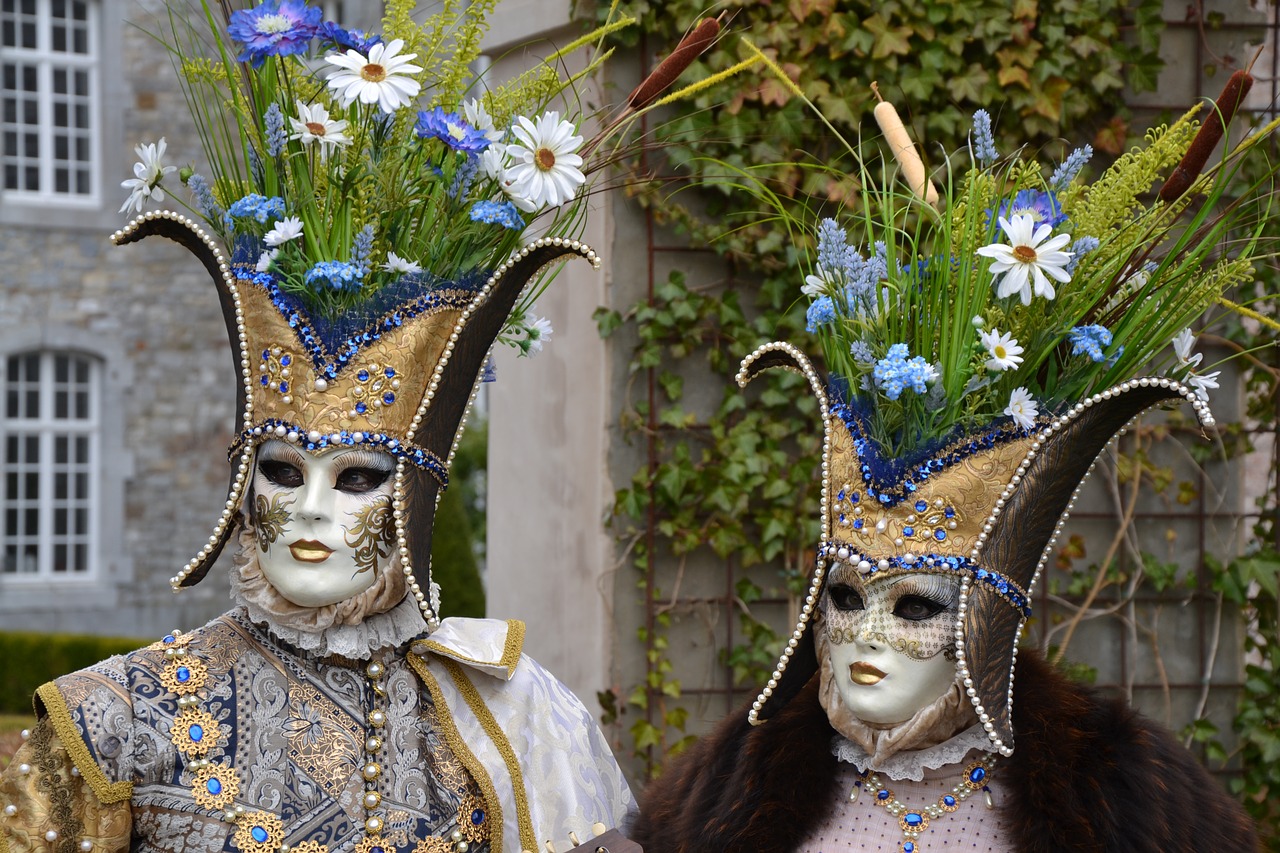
x=322 y=521
x=891 y=640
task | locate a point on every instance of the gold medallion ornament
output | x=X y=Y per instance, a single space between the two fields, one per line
x=473 y=819
x=259 y=832
x=310 y=847
x=194 y=732
x=184 y=675
x=215 y=786
x=435 y=844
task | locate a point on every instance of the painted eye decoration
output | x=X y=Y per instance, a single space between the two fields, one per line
x=845 y=597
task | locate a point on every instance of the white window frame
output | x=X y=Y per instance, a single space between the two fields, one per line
x=47 y=427
x=46 y=59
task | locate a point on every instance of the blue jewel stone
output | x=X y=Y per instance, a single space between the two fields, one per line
x=911 y=487
x=184 y=674
x=377 y=850
x=940 y=534
x=266 y=353
x=169 y=638
x=913 y=819
x=857 y=524
x=948 y=801
x=363 y=376
x=908 y=531
x=908 y=847
x=390 y=372
x=284 y=387
x=1002 y=586
x=949 y=512
x=840 y=495
x=977 y=774
x=842 y=518
x=265 y=381
x=213 y=786
x=361 y=408
x=921 y=506
x=477 y=817
x=980 y=574
x=285 y=361
x=855 y=497
x=882 y=795
x=196 y=732
x=388 y=398
x=259 y=834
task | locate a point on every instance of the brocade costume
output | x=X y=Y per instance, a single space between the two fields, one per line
x=478 y=739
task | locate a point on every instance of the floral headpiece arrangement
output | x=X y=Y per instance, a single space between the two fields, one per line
x=1024 y=288
x=344 y=163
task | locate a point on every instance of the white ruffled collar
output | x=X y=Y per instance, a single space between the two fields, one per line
x=912 y=764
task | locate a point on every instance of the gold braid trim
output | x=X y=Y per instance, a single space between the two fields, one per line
x=461 y=750
x=51 y=782
x=59 y=715
x=4 y=845
x=511 y=650
x=528 y=841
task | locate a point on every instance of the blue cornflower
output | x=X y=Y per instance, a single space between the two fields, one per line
x=463 y=178
x=276 y=28
x=452 y=129
x=1090 y=341
x=330 y=33
x=1040 y=206
x=208 y=205
x=502 y=213
x=273 y=126
x=1079 y=249
x=335 y=275
x=984 y=144
x=361 y=248
x=257 y=207
x=1066 y=173
x=820 y=313
x=896 y=372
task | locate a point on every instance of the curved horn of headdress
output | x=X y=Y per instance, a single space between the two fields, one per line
x=1022 y=532
x=187 y=233
x=458 y=375
x=799 y=659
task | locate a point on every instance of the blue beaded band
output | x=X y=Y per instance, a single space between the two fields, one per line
x=294 y=434
x=1006 y=588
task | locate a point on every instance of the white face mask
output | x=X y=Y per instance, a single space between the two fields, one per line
x=322 y=521
x=891 y=640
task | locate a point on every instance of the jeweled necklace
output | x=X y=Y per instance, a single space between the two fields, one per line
x=914 y=821
x=215 y=784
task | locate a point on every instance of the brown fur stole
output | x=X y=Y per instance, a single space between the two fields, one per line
x=1087 y=774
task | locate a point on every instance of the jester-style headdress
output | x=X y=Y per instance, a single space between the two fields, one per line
x=985 y=347
x=363 y=224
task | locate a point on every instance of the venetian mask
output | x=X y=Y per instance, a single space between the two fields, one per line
x=322 y=521
x=891 y=640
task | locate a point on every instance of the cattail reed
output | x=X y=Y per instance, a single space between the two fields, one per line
x=1207 y=139
x=693 y=45
x=903 y=149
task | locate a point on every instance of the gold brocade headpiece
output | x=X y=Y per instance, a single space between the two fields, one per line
x=986 y=506
x=400 y=378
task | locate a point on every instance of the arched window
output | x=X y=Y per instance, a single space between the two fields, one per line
x=50 y=460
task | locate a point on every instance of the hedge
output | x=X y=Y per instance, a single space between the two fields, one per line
x=28 y=660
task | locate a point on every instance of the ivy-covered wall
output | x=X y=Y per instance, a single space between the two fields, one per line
x=716 y=507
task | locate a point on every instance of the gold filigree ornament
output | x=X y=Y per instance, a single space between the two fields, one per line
x=215 y=786
x=259 y=832
x=374 y=844
x=171 y=643
x=310 y=847
x=473 y=819
x=275 y=372
x=376 y=388
x=434 y=844
x=194 y=732
x=184 y=675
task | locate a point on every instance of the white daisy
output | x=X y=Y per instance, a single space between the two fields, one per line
x=539 y=333
x=313 y=126
x=815 y=285
x=494 y=161
x=383 y=78
x=1004 y=349
x=147 y=175
x=289 y=228
x=265 y=259
x=395 y=263
x=1022 y=408
x=545 y=171
x=1202 y=384
x=478 y=117
x=1182 y=344
x=1025 y=264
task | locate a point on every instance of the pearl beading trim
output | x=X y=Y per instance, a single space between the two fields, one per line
x=805 y=368
x=1054 y=426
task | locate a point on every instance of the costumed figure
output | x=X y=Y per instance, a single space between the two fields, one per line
x=983 y=355
x=375 y=255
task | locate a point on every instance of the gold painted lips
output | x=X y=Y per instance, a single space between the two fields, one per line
x=310 y=551
x=861 y=672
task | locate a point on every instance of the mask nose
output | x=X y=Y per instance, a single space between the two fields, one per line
x=315 y=501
